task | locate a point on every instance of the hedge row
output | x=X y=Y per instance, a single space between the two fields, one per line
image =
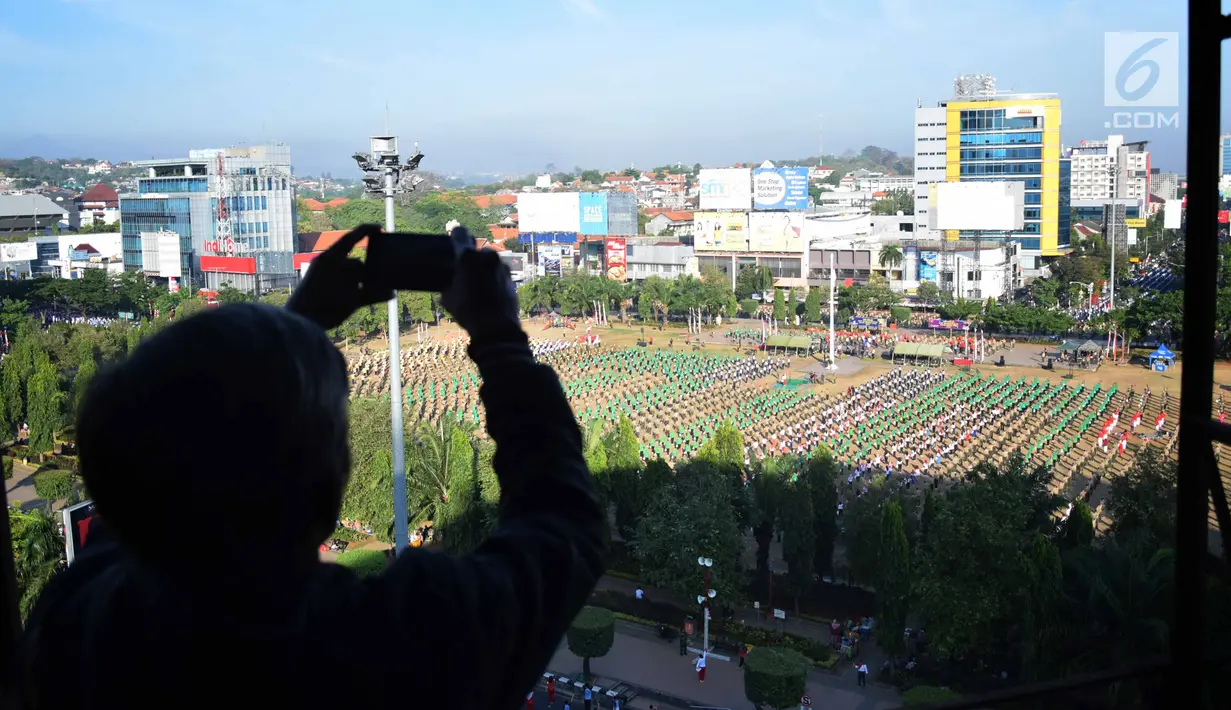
x=7 y=462
x=53 y=484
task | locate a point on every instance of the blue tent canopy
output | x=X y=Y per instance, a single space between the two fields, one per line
x=1161 y=357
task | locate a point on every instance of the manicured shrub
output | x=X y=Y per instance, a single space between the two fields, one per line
x=53 y=484
x=775 y=676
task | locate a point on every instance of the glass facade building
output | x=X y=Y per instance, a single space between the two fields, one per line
x=173 y=214
x=1224 y=155
x=1014 y=139
x=1064 y=226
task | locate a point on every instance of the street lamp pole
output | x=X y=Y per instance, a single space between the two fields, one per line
x=704 y=600
x=1111 y=280
x=386 y=176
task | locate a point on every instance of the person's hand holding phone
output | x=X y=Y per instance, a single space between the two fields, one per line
x=334 y=286
x=482 y=299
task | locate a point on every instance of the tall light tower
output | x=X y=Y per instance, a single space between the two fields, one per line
x=385 y=175
x=704 y=600
x=1111 y=279
x=833 y=303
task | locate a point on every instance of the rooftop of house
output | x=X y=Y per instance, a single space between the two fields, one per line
x=102 y=192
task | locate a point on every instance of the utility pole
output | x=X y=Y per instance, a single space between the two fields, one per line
x=384 y=175
x=833 y=288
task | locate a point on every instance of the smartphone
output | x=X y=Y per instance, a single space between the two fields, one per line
x=405 y=261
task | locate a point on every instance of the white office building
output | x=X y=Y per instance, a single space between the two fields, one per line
x=929 y=160
x=1093 y=177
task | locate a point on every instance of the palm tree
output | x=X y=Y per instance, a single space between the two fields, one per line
x=441 y=454
x=37 y=551
x=891 y=256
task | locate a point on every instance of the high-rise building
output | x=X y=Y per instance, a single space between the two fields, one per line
x=1224 y=154
x=997 y=137
x=1164 y=185
x=1100 y=165
x=233 y=210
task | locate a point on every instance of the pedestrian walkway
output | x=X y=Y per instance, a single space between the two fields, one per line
x=869 y=652
x=640 y=659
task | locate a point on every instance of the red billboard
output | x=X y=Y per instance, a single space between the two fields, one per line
x=229 y=264
x=1224 y=216
x=617 y=258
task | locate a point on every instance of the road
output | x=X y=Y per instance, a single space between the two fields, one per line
x=641 y=659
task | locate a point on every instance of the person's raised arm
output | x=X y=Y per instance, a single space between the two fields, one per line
x=506 y=606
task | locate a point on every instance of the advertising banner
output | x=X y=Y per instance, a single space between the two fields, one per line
x=621 y=214
x=776 y=231
x=1224 y=216
x=18 y=251
x=947 y=324
x=555 y=259
x=725 y=188
x=1135 y=223
x=169 y=255
x=1172 y=213
x=927 y=266
x=593 y=213
x=720 y=231
x=988 y=206
x=867 y=322
x=780 y=188
x=549 y=212
x=617 y=261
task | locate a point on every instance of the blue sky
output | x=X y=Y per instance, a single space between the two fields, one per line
x=500 y=85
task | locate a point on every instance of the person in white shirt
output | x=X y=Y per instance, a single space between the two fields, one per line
x=640 y=593
x=862 y=669
x=701 y=667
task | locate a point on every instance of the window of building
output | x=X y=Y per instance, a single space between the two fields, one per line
x=283 y=183
x=248 y=200
x=264 y=226
x=264 y=203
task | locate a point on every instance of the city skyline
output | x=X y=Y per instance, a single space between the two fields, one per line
x=506 y=88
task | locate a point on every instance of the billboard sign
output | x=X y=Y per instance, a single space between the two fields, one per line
x=549 y=212
x=725 y=188
x=780 y=188
x=867 y=322
x=720 y=231
x=18 y=251
x=1135 y=223
x=593 y=213
x=948 y=324
x=553 y=258
x=617 y=258
x=927 y=266
x=776 y=231
x=76 y=520
x=1172 y=214
x=981 y=206
x=169 y=255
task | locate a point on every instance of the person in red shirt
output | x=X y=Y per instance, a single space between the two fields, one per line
x=530 y=700
x=551 y=691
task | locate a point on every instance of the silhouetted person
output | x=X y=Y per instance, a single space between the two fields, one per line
x=217 y=455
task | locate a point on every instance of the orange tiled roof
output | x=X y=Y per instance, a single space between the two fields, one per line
x=485 y=201
x=499 y=233
x=678 y=216
x=337 y=202
x=314 y=205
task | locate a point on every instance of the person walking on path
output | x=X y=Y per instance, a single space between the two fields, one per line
x=551 y=691
x=530 y=700
x=862 y=668
x=701 y=667
x=743 y=653
x=589 y=697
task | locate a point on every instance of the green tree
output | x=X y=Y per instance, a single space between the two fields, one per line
x=797 y=520
x=775 y=677
x=779 y=304
x=891 y=256
x=928 y=293
x=900 y=315
x=927 y=695
x=357 y=212
x=765 y=488
x=38 y=550
x=1143 y=498
x=695 y=517
x=1079 y=528
x=43 y=395
x=726 y=448
x=861 y=535
x=11 y=391
x=812 y=306
x=820 y=474
x=752 y=280
x=81 y=380
x=593 y=177
x=229 y=294
x=591 y=635
x=893 y=578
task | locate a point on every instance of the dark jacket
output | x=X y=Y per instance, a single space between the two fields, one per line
x=434 y=631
